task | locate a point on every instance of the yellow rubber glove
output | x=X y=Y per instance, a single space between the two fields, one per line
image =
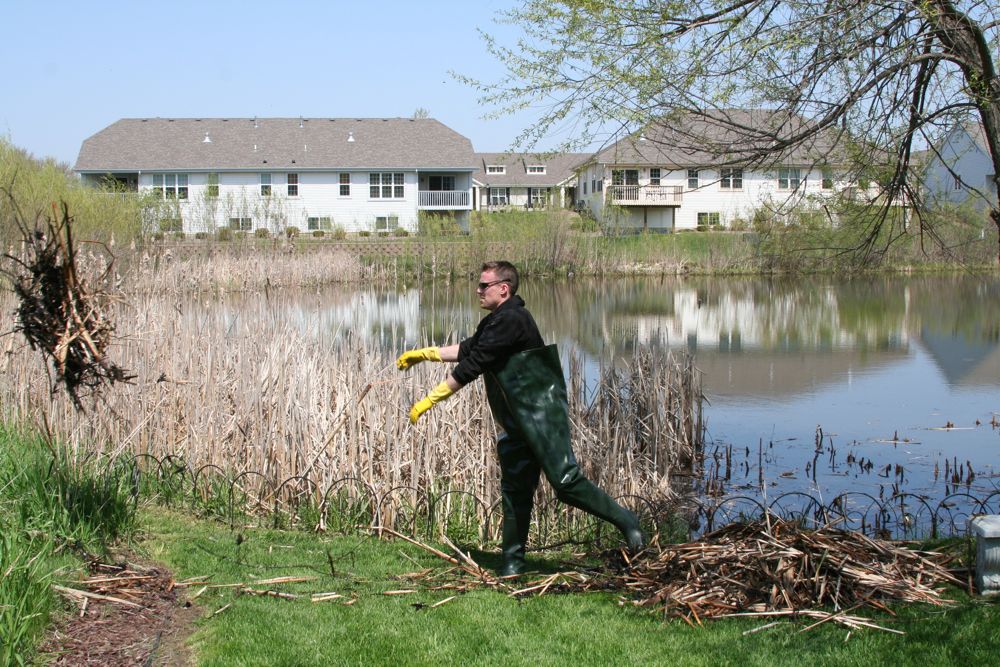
x=414 y=357
x=438 y=394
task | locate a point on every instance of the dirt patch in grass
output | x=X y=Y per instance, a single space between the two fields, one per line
x=125 y=614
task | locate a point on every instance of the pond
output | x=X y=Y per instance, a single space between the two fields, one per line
x=822 y=385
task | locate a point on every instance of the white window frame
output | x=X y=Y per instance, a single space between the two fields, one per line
x=496 y=169
x=654 y=175
x=212 y=185
x=345 y=184
x=827 y=179
x=789 y=178
x=386 y=185
x=709 y=218
x=265 y=184
x=386 y=223
x=292 y=181
x=731 y=178
x=241 y=224
x=171 y=186
x=536 y=168
x=694 y=179
x=538 y=197
x=499 y=197
x=323 y=222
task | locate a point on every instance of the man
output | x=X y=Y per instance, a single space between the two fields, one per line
x=527 y=394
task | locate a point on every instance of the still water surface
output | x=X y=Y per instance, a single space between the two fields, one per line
x=898 y=372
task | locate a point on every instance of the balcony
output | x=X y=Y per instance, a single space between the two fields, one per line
x=443 y=200
x=645 y=195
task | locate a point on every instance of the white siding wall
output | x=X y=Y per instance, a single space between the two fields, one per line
x=759 y=187
x=319 y=196
x=966 y=159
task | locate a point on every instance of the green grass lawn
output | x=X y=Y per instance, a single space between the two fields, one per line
x=487 y=627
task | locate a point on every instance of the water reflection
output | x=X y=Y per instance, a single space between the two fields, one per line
x=870 y=360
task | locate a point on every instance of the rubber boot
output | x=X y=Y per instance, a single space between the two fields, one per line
x=528 y=399
x=519 y=473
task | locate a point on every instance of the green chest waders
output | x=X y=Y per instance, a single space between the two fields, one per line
x=528 y=400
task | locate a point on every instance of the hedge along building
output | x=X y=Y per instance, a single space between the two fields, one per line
x=506 y=181
x=699 y=172
x=245 y=174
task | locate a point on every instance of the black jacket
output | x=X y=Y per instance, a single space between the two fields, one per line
x=507 y=330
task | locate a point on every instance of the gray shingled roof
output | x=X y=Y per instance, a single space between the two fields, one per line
x=558 y=168
x=146 y=144
x=711 y=138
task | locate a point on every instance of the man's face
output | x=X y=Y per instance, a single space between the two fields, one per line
x=492 y=292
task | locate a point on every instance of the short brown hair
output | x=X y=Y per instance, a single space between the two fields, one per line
x=504 y=271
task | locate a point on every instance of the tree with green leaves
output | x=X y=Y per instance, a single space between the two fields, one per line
x=888 y=78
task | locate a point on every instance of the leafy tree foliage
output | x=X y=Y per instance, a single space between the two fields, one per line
x=889 y=77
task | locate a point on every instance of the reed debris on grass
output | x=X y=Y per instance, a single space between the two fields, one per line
x=58 y=313
x=769 y=567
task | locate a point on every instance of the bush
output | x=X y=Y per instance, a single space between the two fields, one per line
x=365 y=233
x=339 y=233
x=157 y=236
x=399 y=231
x=318 y=233
x=224 y=234
x=179 y=236
x=437 y=224
x=292 y=232
x=201 y=236
x=261 y=233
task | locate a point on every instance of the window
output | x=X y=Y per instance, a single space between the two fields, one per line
x=386 y=222
x=171 y=186
x=498 y=196
x=593 y=185
x=385 y=185
x=693 y=179
x=654 y=176
x=536 y=168
x=496 y=169
x=788 y=178
x=624 y=177
x=600 y=185
x=538 y=197
x=585 y=187
x=293 y=185
x=441 y=183
x=212 y=190
x=265 y=185
x=708 y=219
x=323 y=222
x=827 y=178
x=731 y=179
x=345 y=185
x=241 y=224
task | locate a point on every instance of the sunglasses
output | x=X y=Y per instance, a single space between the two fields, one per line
x=482 y=287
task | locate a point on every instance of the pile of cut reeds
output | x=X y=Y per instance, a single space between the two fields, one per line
x=58 y=313
x=775 y=567
x=768 y=568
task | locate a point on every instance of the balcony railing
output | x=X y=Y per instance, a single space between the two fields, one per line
x=444 y=199
x=646 y=195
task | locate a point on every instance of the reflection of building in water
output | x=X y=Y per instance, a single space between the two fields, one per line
x=736 y=322
x=970 y=358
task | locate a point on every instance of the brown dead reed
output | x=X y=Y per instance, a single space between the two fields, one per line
x=58 y=312
x=767 y=568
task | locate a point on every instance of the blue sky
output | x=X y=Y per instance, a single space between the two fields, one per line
x=72 y=68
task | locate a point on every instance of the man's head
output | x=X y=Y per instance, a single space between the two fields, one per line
x=498 y=282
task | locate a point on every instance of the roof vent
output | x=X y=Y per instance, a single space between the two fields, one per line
x=350 y=137
x=642 y=137
x=207 y=139
x=301 y=123
x=255 y=121
x=255 y=148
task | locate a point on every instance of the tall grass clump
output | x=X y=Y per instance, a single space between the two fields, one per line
x=37 y=186
x=25 y=598
x=51 y=504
